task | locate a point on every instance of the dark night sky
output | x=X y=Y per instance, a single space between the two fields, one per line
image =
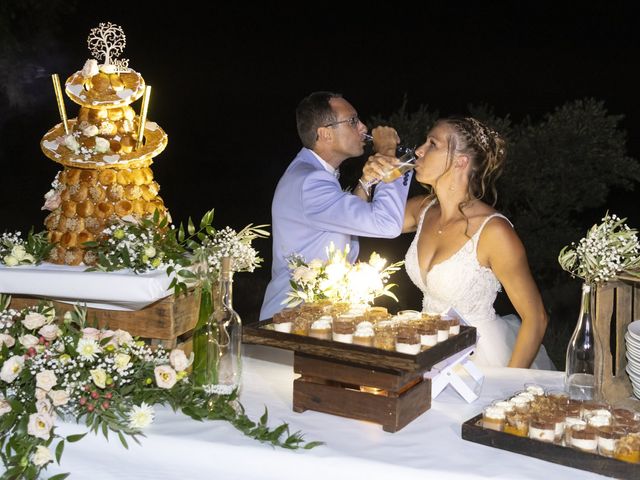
x=226 y=81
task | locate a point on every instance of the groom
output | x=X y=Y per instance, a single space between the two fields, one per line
x=310 y=210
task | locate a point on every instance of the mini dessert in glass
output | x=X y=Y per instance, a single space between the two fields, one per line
x=608 y=437
x=583 y=437
x=628 y=448
x=534 y=389
x=428 y=333
x=542 y=428
x=559 y=397
x=493 y=418
x=283 y=321
x=385 y=335
x=321 y=328
x=302 y=322
x=363 y=334
x=407 y=339
x=517 y=424
x=442 y=326
x=454 y=326
x=376 y=314
x=343 y=328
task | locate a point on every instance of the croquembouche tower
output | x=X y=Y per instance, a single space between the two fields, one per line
x=106 y=152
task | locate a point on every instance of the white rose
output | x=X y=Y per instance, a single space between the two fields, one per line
x=99 y=377
x=122 y=337
x=52 y=200
x=108 y=68
x=150 y=251
x=5 y=407
x=6 y=339
x=44 y=406
x=40 y=425
x=41 y=456
x=309 y=276
x=46 y=380
x=102 y=145
x=179 y=360
x=316 y=264
x=18 y=252
x=335 y=271
x=49 y=332
x=90 y=333
x=165 y=376
x=10 y=261
x=121 y=361
x=34 y=320
x=298 y=273
x=40 y=394
x=59 y=397
x=28 y=258
x=28 y=341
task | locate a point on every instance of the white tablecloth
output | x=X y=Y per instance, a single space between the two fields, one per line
x=121 y=290
x=177 y=447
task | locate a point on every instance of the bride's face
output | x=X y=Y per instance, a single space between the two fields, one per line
x=432 y=160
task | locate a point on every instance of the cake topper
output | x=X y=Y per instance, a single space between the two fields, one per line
x=107 y=41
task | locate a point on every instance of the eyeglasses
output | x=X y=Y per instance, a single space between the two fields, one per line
x=352 y=122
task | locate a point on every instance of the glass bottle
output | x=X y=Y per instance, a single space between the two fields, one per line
x=218 y=342
x=580 y=361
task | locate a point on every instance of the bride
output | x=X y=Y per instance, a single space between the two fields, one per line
x=464 y=250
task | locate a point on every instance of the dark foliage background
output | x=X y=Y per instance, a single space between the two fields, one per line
x=226 y=79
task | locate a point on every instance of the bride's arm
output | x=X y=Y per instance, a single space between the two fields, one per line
x=504 y=253
x=412 y=213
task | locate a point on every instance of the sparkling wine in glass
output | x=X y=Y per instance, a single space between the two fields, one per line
x=407 y=158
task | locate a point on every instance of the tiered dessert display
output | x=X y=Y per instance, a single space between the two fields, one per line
x=106 y=151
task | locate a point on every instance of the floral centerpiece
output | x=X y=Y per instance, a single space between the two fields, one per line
x=14 y=250
x=63 y=368
x=337 y=280
x=608 y=249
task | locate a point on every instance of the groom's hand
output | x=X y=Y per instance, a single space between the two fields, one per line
x=385 y=140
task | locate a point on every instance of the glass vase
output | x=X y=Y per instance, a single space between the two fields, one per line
x=217 y=342
x=580 y=361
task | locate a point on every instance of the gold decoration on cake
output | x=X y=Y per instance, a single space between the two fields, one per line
x=105 y=177
x=60 y=100
x=143 y=115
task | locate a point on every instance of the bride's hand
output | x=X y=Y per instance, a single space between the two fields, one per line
x=376 y=167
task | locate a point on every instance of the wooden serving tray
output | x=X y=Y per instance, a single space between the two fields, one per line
x=261 y=333
x=359 y=382
x=473 y=431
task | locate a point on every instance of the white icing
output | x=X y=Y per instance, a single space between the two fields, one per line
x=505 y=405
x=535 y=390
x=544 y=435
x=410 y=348
x=495 y=412
x=111 y=158
x=126 y=93
x=323 y=323
x=364 y=329
x=108 y=68
x=75 y=89
x=50 y=145
x=599 y=420
x=343 y=337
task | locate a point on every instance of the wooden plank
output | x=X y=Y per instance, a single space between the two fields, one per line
x=256 y=333
x=393 y=413
x=472 y=431
x=345 y=372
x=166 y=319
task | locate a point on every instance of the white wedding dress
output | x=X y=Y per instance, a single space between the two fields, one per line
x=462 y=283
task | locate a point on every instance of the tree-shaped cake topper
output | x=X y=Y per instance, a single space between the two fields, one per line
x=107 y=41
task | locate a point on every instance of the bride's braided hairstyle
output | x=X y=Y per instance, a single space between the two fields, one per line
x=486 y=150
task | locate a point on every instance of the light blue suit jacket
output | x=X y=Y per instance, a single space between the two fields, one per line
x=310 y=210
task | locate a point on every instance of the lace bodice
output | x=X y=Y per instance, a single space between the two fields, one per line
x=459 y=281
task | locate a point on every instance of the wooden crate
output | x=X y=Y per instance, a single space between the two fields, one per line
x=617 y=305
x=473 y=431
x=169 y=321
x=353 y=381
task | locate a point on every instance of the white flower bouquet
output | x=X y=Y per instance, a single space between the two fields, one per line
x=337 y=280
x=608 y=249
x=14 y=250
x=60 y=367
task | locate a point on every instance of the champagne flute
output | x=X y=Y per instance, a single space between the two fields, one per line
x=407 y=161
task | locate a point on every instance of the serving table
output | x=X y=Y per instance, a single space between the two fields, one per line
x=177 y=447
